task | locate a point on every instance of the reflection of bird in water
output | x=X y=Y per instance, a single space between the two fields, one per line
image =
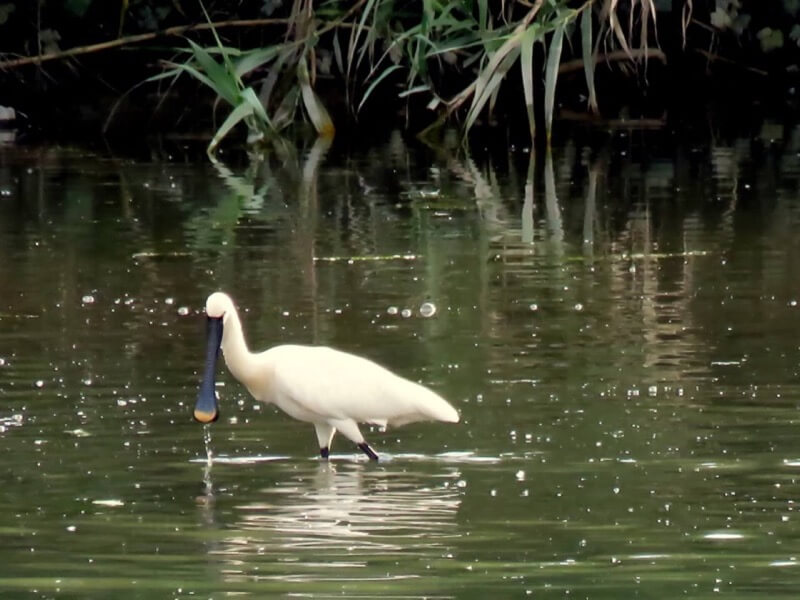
x=333 y=390
x=339 y=517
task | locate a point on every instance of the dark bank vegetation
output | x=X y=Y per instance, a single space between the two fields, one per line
x=262 y=66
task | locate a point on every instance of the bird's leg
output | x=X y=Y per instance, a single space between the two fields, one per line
x=324 y=437
x=349 y=429
x=365 y=448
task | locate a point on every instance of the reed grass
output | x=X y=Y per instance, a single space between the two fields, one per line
x=418 y=48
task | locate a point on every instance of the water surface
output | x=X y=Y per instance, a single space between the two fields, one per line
x=617 y=325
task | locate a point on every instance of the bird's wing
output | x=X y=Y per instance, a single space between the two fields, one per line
x=337 y=385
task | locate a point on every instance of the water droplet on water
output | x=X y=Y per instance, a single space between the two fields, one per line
x=405 y=313
x=534 y=307
x=392 y=310
x=39 y=383
x=428 y=309
x=88 y=299
x=579 y=306
x=183 y=311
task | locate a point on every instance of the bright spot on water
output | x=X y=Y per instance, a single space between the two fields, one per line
x=579 y=306
x=615 y=490
x=784 y=563
x=121 y=402
x=793 y=303
x=520 y=475
x=71 y=528
x=534 y=307
x=723 y=536
x=39 y=383
x=405 y=313
x=79 y=432
x=2 y=362
x=183 y=311
x=108 y=502
x=428 y=309
x=169 y=301
x=88 y=299
x=392 y=310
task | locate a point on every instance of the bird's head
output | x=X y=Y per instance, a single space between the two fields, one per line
x=219 y=305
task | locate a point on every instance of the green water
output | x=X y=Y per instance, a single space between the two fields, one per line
x=617 y=325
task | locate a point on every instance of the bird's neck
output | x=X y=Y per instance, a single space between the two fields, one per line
x=234 y=347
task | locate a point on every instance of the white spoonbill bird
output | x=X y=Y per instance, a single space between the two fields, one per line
x=333 y=390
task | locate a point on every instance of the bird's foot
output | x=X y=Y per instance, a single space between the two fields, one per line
x=324 y=452
x=365 y=448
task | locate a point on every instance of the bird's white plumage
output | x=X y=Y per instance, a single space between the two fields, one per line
x=332 y=389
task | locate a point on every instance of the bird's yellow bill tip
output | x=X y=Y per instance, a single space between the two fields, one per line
x=205 y=416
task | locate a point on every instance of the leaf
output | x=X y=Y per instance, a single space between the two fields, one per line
x=254 y=59
x=240 y=112
x=771 y=39
x=355 y=34
x=249 y=96
x=201 y=77
x=414 y=90
x=77 y=7
x=609 y=11
x=223 y=82
x=284 y=114
x=491 y=76
x=5 y=11
x=526 y=65
x=337 y=51
x=588 y=57
x=316 y=110
x=386 y=72
x=551 y=77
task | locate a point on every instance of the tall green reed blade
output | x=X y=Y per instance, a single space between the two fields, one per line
x=526 y=64
x=314 y=107
x=551 y=77
x=492 y=75
x=588 y=56
x=239 y=113
x=386 y=72
x=355 y=34
x=222 y=80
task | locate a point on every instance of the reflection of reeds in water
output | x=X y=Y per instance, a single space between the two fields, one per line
x=336 y=516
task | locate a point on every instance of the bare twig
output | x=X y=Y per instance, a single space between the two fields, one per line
x=614 y=56
x=133 y=39
x=712 y=57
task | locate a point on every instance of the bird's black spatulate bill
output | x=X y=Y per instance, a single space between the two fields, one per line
x=205 y=410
